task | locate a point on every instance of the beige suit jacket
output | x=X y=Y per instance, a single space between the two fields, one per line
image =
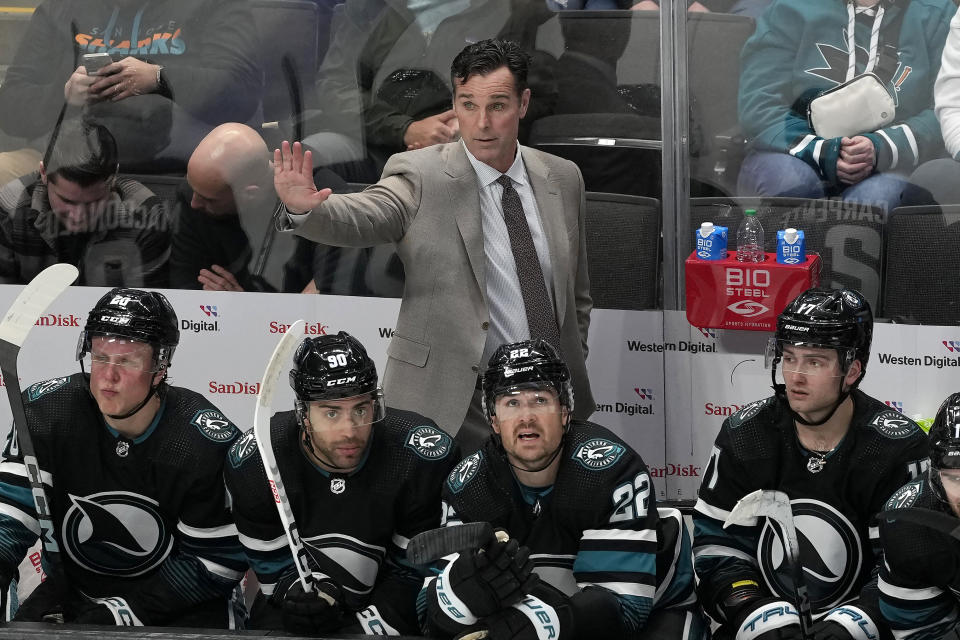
x=427 y=203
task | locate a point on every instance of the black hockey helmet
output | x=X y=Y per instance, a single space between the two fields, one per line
x=945 y=442
x=837 y=319
x=531 y=363
x=333 y=368
x=134 y=314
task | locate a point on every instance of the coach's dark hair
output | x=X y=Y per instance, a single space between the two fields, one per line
x=486 y=56
x=81 y=152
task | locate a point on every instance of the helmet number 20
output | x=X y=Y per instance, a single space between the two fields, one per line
x=337 y=360
x=631 y=500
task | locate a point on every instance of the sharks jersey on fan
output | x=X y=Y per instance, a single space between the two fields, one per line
x=801 y=49
x=920 y=575
x=757 y=448
x=596 y=526
x=145 y=520
x=354 y=526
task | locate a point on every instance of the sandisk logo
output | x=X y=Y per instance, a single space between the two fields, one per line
x=748 y=308
x=58 y=320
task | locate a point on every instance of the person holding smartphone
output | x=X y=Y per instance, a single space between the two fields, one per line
x=176 y=70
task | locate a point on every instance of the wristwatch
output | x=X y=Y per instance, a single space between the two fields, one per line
x=161 y=84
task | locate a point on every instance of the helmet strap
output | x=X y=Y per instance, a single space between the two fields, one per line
x=307 y=441
x=158 y=389
x=553 y=456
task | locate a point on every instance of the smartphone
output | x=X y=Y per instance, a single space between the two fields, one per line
x=94 y=62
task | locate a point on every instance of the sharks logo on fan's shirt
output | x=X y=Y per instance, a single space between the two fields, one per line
x=116 y=533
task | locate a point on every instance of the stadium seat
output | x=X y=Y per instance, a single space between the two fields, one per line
x=921 y=265
x=848 y=236
x=623 y=250
x=290 y=35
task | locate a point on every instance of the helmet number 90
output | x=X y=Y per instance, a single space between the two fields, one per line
x=337 y=360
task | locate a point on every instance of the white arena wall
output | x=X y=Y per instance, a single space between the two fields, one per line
x=661 y=384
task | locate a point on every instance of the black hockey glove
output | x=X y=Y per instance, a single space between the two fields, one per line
x=317 y=611
x=44 y=604
x=846 y=622
x=767 y=619
x=489 y=579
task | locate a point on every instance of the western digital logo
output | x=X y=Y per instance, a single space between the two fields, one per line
x=210 y=310
x=645 y=394
x=707 y=333
x=683 y=345
x=894 y=404
x=919 y=361
x=953 y=346
x=197 y=327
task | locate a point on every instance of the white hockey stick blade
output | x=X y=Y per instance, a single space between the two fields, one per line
x=34 y=300
x=760 y=503
x=261 y=429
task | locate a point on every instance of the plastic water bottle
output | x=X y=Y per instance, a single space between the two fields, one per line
x=750 y=238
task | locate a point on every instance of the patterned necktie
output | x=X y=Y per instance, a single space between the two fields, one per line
x=540 y=316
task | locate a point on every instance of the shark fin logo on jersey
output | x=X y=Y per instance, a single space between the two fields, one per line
x=43 y=388
x=116 y=533
x=598 y=453
x=214 y=425
x=747 y=412
x=893 y=424
x=464 y=472
x=429 y=443
x=831 y=554
x=905 y=496
x=242 y=449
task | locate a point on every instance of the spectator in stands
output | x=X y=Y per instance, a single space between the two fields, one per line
x=751 y=8
x=179 y=69
x=229 y=184
x=76 y=210
x=938 y=181
x=384 y=85
x=801 y=49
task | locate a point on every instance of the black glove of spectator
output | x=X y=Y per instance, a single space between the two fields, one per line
x=767 y=619
x=309 y=613
x=494 y=577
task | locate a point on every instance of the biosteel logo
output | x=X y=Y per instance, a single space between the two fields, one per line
x=58 y=320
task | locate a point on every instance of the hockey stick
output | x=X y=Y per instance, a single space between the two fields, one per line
x=942 y=522
x=261 y=430
x=776 y=506
x=431 y=545
x=20 y=318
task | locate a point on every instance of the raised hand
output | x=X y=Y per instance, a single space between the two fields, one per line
x=293 y=179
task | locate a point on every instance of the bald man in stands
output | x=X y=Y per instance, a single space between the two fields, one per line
x=229 y=179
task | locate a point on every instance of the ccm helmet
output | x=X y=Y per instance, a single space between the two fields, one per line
x=838 y=319
x=134 y=314
x=142 y=316
x=528 y=364
x=945 y=443
x=333 y=368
